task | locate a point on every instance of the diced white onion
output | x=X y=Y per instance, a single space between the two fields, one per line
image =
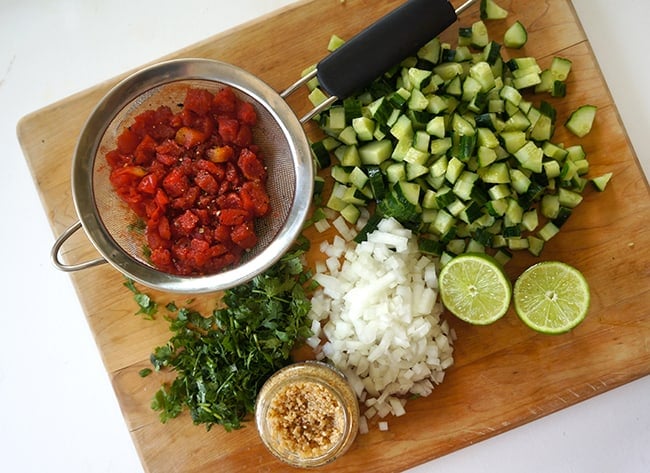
x=380 y=317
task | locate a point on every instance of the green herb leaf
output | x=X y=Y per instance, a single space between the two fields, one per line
x=147 y=306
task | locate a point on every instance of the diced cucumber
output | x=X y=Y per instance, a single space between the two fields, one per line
x=530 y=220
x=513 y=140
x=480 y=36
x=376 y=181
x=560 y=68
x=581 y=120
x=449 y=70
x=364 y=127
x=317 y=97
x=492 y=55
x=375 y=152
x=497 y=207
x=351 y=213
x=600 y=182
x=402 y=129
x=336 y=118
x=441 y=146
x=489 y=10
x=446 y=143
x=520 y=182
x=487 y=138
x=354 y=196
x=535 y=245
x=515 y=36
x=551 y=168
x=436 y=127
x=409 y=191
x=548 y=231
x=335 y=43
x=340 y=174
x=414 y=155
x=396 y=172
x=464 y=185
x=443 y=222
x=503 y=256
x=454 y=169
x=500 y=191
x=486 y=156
x=348 y=155
x=415 y=170
x=569 y=198
x=321 y=154
x=554 y=151
x=419 y=78
x=510 y=94
x=418 y=101
x=496 y=173
x=358 y=178
x=482 y=73
x=348 y=136
x=530 y=157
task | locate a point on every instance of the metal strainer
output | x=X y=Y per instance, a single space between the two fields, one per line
x=106 y=219
x=278 y=132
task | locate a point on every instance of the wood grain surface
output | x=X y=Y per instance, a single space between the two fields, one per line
x=504 y=375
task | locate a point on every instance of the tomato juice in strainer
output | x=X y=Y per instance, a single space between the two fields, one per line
x=106 y=220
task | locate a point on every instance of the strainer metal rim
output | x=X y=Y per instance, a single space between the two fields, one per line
x=139 y=83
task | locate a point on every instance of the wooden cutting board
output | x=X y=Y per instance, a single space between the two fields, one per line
x=504 y=375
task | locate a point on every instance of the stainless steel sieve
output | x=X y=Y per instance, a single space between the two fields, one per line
x=106 y=219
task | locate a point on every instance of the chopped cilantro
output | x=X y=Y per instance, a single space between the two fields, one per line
x=147 y=306
x=222 y=360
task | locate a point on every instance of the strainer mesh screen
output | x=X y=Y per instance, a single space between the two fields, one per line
x=119 y=220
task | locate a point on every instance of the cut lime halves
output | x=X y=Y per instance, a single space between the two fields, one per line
x=474 y=288
x=551 y=297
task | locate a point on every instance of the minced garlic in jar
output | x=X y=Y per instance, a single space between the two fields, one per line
x=307 y=414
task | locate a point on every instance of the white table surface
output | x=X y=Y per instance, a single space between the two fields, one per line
x=58 y=412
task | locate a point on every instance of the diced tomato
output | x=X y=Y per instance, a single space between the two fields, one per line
x=196 y=178
x=244 y=136
x=162 y=258
x=227 y=128
x=176 y=182
x=254 y=198
x=198 y=101
x=186 y=222
x=206 y=182
x=231 y=200
x=252 y=168
x=246 y=113
x=244 y=236
x=145 y=151
x=225 y=101
x=148 y=184
x=187 y=200
x=232 y=217
x=128 y=141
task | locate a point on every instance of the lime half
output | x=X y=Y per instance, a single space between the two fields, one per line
x=551 y=297
x=474 y=288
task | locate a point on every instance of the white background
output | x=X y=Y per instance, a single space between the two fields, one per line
x=58 y=412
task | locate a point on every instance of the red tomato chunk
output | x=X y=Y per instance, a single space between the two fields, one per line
x=197 y=180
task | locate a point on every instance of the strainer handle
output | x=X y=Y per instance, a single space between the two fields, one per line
x=384 y=44
x=56 y=248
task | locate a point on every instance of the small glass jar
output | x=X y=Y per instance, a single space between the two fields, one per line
x=307 y=414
